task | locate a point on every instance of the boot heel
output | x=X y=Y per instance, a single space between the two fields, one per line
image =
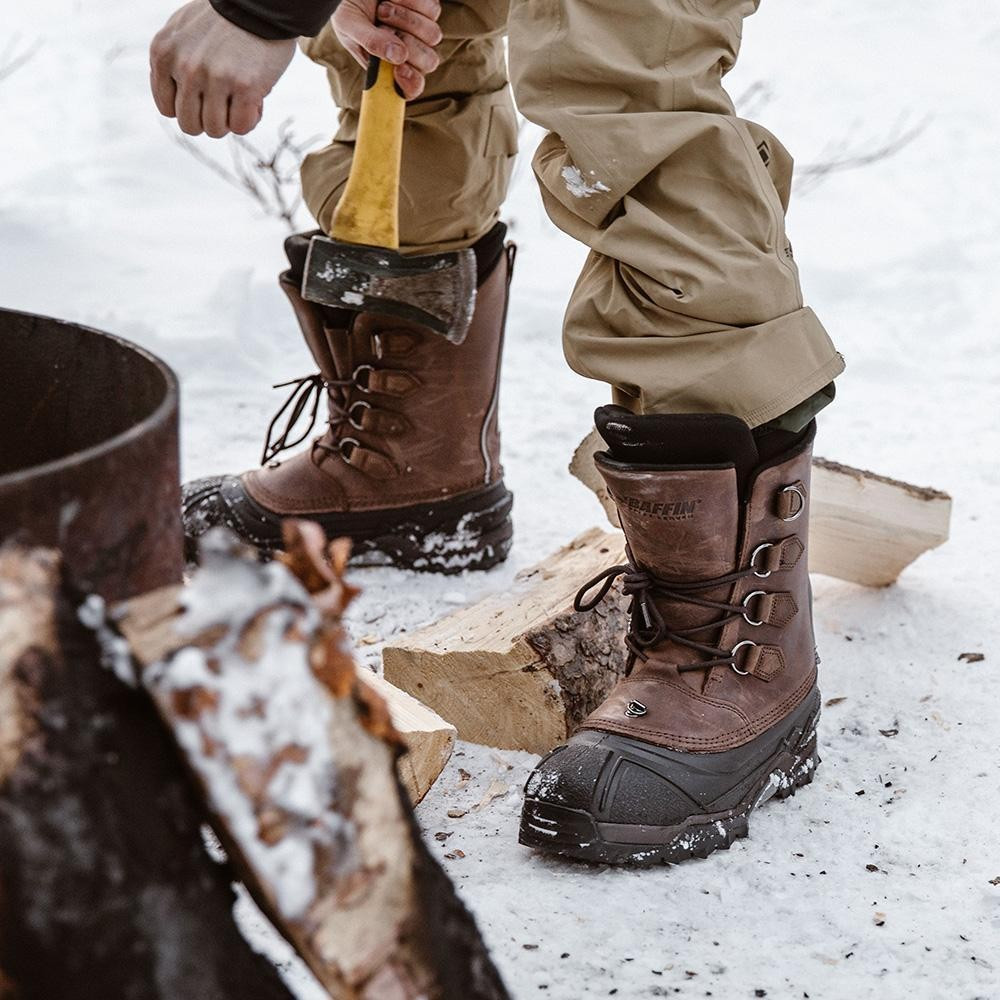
x=471 y=532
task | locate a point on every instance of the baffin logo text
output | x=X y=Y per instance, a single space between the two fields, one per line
x=666 y=510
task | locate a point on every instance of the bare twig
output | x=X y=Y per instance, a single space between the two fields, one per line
x=271 y=178
x=11 y=60
x=754 y=99
x=839 y=157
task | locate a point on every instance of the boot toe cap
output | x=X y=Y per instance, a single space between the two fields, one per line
x=201 y=509
x=591 y=775
x=215 y=501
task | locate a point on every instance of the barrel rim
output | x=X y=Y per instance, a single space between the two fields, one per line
x=157 y=418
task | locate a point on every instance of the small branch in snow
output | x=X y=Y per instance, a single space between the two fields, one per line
x=11 y=60
x=754 y=99
x=270 y=178
x=840 y=157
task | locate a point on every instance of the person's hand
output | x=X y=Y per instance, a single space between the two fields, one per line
x=406 y=36
x=211 y=75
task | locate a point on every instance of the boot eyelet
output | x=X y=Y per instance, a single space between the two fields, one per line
x=362 y=386
x=346 y=455
x=364 y=405
x=753 y=559
x=635 y=710
x=795 y=515
x=746 y=607
x=735 y=650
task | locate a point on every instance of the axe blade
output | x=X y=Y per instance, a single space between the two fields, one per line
x=435 y=290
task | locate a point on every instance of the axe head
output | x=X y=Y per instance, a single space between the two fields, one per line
x=435 y=290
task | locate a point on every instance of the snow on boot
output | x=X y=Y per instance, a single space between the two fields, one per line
x=409 y=465
x=719 y=707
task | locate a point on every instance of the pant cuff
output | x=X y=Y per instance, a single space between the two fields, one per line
x=765 y=370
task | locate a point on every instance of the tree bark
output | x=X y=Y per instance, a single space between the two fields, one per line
x=521 y=669
x=106 y=890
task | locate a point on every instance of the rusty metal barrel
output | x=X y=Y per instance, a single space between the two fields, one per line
x=88 y=453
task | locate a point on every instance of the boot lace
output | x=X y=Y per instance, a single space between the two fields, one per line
x=647 y=626
x=306 y=395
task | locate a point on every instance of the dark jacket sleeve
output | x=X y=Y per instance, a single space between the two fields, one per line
x=274 y=19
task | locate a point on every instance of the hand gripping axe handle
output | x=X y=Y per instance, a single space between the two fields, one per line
x=359 y=267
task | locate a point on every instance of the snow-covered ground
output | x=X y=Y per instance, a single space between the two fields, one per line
x=876 y=879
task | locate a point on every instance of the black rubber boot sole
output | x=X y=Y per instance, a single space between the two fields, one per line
x=578 y=834
x=471 y=531
x=475 y=534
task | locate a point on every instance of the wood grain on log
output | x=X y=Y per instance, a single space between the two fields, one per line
x=520 y=669
x=428 y=739
x=868 y=528
x=105 y=886
x=296 y=756
x=149 y=623
x=865 y=528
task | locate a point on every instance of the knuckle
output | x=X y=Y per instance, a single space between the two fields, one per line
x=157 y=52
x=425 y=60
x=188 y=69
x=242 y=83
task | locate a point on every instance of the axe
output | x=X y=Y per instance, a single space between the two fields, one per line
x=359 y=266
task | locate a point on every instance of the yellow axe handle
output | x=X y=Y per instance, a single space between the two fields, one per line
x=368 y=211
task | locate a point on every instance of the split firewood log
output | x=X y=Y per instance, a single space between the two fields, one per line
x=521 y=669
x=296 y=756
x=865 y=528
x=105 y=887
x=106 y=890
x=149 y=623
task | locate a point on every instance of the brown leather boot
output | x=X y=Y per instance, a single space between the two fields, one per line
x=409 y=465
x=719 y=708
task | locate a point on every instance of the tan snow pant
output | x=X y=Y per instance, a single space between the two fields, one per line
x=690 y=299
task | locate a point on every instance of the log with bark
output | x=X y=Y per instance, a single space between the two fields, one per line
x=865 y=528
x=295 y=757
x=105 y=886
x=149 y=623
x=521 y=669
